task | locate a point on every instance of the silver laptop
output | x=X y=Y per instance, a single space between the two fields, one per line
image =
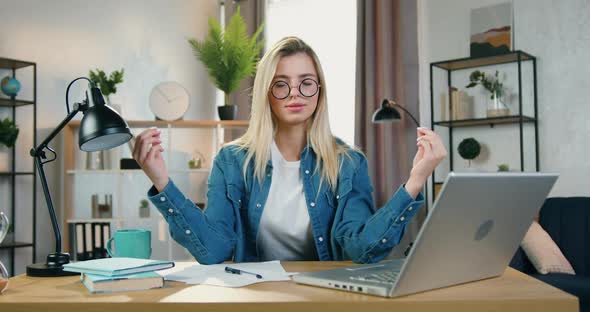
x=471 y=233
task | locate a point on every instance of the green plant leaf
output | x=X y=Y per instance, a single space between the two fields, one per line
x=229 y=55
x=106 y=84
x=8 y=132
x=469 y=148
x=503 y=167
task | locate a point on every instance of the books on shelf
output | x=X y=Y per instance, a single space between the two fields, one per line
x=105 y=284
x=460 y=106
x=456 y=104
x=116 y=267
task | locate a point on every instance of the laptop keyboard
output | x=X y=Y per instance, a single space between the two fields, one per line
x=386 y=277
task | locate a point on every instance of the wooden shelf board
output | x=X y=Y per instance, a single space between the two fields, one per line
x=464 y=63
x=6 y=102
x=133 y=171
x=178 y=123
x=9 y=174
x=483 y=121
x=16 y=244
x=6 y=63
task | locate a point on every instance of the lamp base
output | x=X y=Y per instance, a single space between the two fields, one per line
x=52 y=268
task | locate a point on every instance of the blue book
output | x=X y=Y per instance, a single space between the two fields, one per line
x=105 y=284
x=114 y=267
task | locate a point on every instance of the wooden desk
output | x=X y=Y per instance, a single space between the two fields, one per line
x=513 y=291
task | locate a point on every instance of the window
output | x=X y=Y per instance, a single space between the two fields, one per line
x=334 y=41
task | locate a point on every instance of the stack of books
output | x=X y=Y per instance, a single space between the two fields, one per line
x=119 y=274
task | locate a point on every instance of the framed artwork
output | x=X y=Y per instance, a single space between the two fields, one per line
x=491 y=30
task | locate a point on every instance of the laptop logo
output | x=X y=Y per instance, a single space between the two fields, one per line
x=484 y=229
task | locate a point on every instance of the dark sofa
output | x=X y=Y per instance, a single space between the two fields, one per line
x=567 y=220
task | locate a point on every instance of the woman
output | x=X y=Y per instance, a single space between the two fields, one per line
x=288 y=189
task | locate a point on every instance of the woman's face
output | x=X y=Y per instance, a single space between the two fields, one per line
x=297 y=73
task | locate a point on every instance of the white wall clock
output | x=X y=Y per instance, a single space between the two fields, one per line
x=169 y=100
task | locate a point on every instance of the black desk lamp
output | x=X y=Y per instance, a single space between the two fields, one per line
x=389 y=113
x=101 y=128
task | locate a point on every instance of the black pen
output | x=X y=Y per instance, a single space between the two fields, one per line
x=238 y=271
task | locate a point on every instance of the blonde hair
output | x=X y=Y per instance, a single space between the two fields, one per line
x=258 y=139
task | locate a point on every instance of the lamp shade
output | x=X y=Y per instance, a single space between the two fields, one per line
x=387 y=113
x=102 y=128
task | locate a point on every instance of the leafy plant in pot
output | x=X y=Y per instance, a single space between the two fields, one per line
x=469 y=149
x=496 y=106
x=108 y=84
x=229 y=55
x=108 y=87
x=8 y=135
x=503 y=167
x=144 y=208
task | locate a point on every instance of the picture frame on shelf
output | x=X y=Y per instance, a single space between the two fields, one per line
x=491 y=30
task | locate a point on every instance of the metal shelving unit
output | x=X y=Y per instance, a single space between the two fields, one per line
x=14 y=104
x=518 y=118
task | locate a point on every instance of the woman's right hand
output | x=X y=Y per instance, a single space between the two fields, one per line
x=148 y=154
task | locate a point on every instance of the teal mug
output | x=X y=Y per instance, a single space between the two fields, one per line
x=131 y=244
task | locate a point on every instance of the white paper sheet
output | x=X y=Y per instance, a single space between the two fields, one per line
x=194 y=273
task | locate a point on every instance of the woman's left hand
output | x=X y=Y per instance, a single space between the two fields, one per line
x=431 y=152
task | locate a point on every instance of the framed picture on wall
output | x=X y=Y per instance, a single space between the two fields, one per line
x=491 y=30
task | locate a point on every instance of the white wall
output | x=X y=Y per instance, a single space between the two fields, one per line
x=333 y=40
x=67 y=38
x=558 y=34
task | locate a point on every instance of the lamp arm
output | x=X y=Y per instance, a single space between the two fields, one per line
x=78 y=107
x=394 y=104
x=39 y=155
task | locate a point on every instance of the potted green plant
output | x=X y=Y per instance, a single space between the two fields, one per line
x=108 y=84
x=8 y=135
x=469 y=149
x=197 y=161
x=144 y=209
x=503 y=167
x=496 y=106
x=229 y=55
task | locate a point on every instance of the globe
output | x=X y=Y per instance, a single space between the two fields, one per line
x=10 y=86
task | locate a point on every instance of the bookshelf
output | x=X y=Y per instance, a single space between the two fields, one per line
x=19 y=172
x=521 y=122
x=16 y=108
x=131 y=183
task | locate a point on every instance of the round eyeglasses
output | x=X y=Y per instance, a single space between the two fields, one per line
x=282 y=89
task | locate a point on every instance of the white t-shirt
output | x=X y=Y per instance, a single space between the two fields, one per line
x=285 y=228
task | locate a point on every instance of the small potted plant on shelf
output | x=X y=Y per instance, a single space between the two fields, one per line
x=144 y=209
x=229 y=55
x=496 y=106
x=197 y=161
x=503 y=167
x=108 y=84
x=8 y=135
x=469 y=149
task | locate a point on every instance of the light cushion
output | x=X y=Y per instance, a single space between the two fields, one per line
x=543 y=253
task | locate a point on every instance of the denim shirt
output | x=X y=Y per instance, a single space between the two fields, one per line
x=345 y=223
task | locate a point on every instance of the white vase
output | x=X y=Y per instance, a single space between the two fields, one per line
x=496 y=107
